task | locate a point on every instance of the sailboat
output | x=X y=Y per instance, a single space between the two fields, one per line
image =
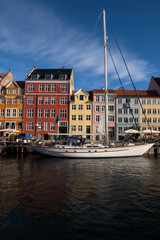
x=96 y=150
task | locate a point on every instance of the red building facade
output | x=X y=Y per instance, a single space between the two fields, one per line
x=46 y=106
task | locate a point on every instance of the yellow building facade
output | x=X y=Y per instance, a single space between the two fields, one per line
x=80 y=121
x=151 y=107
x=11 y=108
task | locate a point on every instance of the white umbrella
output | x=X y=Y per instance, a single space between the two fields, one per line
x=148 y=131
x=131 y=131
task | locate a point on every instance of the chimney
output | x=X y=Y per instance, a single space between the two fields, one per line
x=9 y=70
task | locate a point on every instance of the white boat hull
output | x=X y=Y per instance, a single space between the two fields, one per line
x=106 y=152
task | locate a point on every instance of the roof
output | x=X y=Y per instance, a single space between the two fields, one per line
x=54 y=72
x=102 y=91
x=157 y=80
x=21 y=84
x=2 y=75
x=89 y=92
x=132 y=93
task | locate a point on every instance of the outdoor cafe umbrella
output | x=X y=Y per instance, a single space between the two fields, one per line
x=131 y=131
x=9 y=130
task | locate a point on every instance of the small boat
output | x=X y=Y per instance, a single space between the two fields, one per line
x=92 y=150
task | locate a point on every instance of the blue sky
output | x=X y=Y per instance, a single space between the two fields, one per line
x=55 y=33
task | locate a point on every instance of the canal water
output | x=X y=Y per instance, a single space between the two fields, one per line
x=46 y=198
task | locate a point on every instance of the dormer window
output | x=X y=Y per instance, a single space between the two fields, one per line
x=81 y=97
x=48 y=76
x=34 y=76
x=62 y=76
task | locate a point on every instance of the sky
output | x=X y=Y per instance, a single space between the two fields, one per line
x=56 y=33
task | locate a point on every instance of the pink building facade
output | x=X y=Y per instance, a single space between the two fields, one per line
x=99 y=112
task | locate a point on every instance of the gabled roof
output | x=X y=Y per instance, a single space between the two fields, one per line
x=81 y=90
x=157 y=80
x=2 y=75
x=8 y=84
x=132 y=93
x=55 y=72
x=88 y=92
x=21 y=84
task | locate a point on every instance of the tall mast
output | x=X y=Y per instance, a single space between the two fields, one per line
x=105 y=75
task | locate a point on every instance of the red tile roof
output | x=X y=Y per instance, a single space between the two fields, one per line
x=132 y=93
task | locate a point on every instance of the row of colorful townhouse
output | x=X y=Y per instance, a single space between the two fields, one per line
x=46 y=104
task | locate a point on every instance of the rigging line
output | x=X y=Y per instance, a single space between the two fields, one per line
x=130 y=76
x=123 y=88
x=93 y=30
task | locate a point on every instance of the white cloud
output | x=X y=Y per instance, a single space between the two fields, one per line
x=43 y=36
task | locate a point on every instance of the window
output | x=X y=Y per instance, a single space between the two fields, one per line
x=136 y=101
x=2 y=112
x=158 y=111
x=8 y=100
x=149 y=120
x=62 y=76
x=154 y=111
x=158 y=120
x=88 y=107
x=46 y=113
x=97 y=118
x=154 y=120
x=136 y=111
x=53 y=113
x=96 y=129
x=39 y=126
x=110 y=99
x=97 y=98
x=14 y=100
x=46 y=126
x=73 y=107
x=103 y=99
x=20 y=113
x=63 y=113
x=88 y=117
x=80 y=118
x=30 y=100
x=111 y=109
x=21 y=101
x=143 y=120
x=30 y=126
x=120 y=120
x=131 y=120
x=81 y=97
x=63 y=87
x=154 y=101
x=52 y=126
x=126 y=120
x=125 y=110
x=119 y=101
x=34 y=76
x=143 y=128
x=148 y=101
x=149 y=111
x=41 y=87
x=14 y=112
x=73 y=128
x=119 y=110
x=103 y=108
x=80 y=128
x=40 y=113
x=40 y=100
x=144 y=111
x=158 y=101
x=53 y=100
x=119 y=130
x=8 y=112
x=30 y=87
x=30 y=113
x=137 y=120
x=46 y=100
x=110 y=118
x=2 y=100
x=9 y=91
x=53 y=87
x=80 y=107
x=73 y=117
x=143 y=101
x=15 y=91
x=63 y=100
x=48 y=76
x=47 y=88
x=97 y=108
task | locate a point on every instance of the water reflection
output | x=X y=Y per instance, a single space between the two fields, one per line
x=78 y=195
